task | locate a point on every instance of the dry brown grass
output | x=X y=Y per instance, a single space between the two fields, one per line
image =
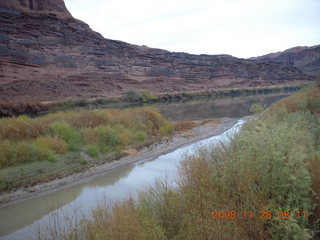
x=184 y=126
x=89 y=136
x=306 y=99
x=210 y=122
x=125 y=222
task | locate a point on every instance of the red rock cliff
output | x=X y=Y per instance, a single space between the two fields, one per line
x=56 y=7
x=45 y=54
x=306 y=59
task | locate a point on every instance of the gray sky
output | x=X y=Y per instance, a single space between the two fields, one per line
x=242 y=28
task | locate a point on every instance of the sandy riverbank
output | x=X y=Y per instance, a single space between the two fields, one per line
x=204 y=131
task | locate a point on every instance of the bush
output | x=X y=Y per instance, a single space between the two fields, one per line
x=147 y=96
x=149 y=120
x=138 y=135
x=66 y=132
x=307 y=99
x=83 y=161
x=93 y=150
x=103 y=115
x=124 y=138
x=3 y=185
x=132 y=95
x=45 y=154
x=91 y=119
x=107 y=137
x=135 y=95
x=166 y=130
x=8 y=154
x=55 y=144
x=15 y=153
x=256 y=108
x=25 y=152
x=20 y=128
x=89 y=136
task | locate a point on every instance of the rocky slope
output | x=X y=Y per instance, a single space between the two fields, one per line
x=46 y=54
x=305 y=58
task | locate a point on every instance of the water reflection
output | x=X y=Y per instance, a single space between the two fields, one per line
x=25 y=213
x=207 y=109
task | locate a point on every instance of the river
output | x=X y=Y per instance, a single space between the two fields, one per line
x=58 y=209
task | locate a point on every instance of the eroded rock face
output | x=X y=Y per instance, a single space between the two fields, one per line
x=305 y=58
x=54 y=7
x=45 y=55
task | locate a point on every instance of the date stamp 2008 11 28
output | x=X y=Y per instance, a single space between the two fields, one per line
x=261 y=214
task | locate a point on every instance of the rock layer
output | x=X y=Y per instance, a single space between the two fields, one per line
x=306 y=59
x=46 y=55
x=51 y=7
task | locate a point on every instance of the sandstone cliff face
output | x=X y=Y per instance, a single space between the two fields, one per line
x=45 y=55
x=305 y=58
x=52 y=7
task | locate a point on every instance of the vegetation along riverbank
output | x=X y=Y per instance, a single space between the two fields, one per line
x=136 y=96
x=265 y=184
x=39 y=149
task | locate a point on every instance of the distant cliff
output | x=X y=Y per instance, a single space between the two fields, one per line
x=305 y=58
x=46 y=54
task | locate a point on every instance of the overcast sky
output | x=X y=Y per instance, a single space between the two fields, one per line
x=242 y=28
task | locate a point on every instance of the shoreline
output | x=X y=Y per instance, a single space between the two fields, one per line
x=145 y=154
x=15 y=108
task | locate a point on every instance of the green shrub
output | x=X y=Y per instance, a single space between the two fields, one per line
x=15 y=153
x=26 y=152
x=138 y=135
x=66 y=132
x=45 y=154
x=83 y=161
x=256 y=108
x=166 y=130
x=132 y=95
x=3 y=185
x=147 y=96
x=107 y=137
x=55 y=144
x=8 y=154
x=124 y=138
x=135 y=95
x=93 y=150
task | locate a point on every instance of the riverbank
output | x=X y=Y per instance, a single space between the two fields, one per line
x=138 y=96
x=202 y=130
x=265 y=184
